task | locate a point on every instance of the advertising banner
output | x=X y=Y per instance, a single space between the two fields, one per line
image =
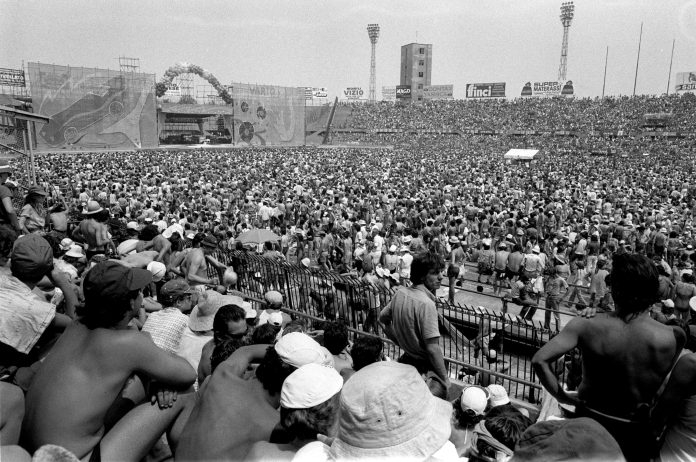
x=353 y=93
x=438 y=92
x=268 y=114
x=12 y=77
x=485 y=90
x=548 y=89
x=319 y=92
x=403 y=92
x=173 y=91
x=308 y=93
x=686 y=82
x=388 y=93
x=93 y=108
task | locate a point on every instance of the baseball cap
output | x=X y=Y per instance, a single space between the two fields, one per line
x=298 y=349
x=275 y=319
x=209 y=241
x=112 y=280
x=498 y=395
x=157 y=269
x=132 y=225
x=31 y=258
x=310 y=385
x=175 y=288
x=75 y=251
x=474 y=398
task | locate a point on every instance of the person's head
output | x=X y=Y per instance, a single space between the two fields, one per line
x=264 y=334
x=387 y=410
x=209 y=244
x=335 y=337
x=366 y=350
x=224 y=350
x=471 y=406
x=148 y=233
x=426 y=269
x=113 y=292
x=176 y=293
x=274 y=299
x=31 y=258
x=309 y=402
x=229 y=323
x=35 y=196
x=634 y=284
x=507 y=428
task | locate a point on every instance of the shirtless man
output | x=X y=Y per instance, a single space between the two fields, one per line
x=77 y=384
x=194 y=266
x=626 y=356
x=94 y=231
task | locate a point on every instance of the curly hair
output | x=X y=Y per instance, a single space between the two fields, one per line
x=304 y=424
x=423 y=264
x=335 y=337
x=224 y=350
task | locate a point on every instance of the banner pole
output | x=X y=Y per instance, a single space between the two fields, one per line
x=669 y=75
x=640 y=40
x=606 y=59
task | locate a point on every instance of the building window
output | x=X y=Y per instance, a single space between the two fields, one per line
x=420 y=86
x=420 y=74
x=421 y=51
x=421 y=63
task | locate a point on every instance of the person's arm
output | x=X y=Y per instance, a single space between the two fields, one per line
x=166 y=247
x=562 y=343
x=240 y=360
x=11 y=214
x=166 y=368
x=175 y=263
x=436 y=359
x=385 y=318
x=60 y=280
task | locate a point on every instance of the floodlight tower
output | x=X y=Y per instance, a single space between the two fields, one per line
x=567 y=12
x=373 y=33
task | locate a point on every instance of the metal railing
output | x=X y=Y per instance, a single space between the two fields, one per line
x=469 y=333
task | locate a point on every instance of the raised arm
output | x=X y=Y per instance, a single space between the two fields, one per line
x=159 y=365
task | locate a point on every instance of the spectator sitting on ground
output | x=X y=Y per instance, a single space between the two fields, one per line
x=71 y=394
x=309 y=402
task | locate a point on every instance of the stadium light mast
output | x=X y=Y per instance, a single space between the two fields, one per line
x=567 y=13
x=373 y=33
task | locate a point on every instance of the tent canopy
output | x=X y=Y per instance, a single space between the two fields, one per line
x=522 y=154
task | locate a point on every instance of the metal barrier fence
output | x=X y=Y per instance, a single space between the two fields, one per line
x=479 y=344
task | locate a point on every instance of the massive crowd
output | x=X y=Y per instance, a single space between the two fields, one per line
x=115 y=296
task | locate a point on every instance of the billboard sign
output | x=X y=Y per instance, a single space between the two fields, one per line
x=173 y=90
x=319 y=92
x=308 y=93
x=686 y=82
x=403 y=92
x=485 y=90
x=548 y=89
x=353 y=93
x=388 y=93
x=12 y=77
x=438 y=92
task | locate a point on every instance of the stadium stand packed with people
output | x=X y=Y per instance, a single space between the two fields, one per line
x=133 y=325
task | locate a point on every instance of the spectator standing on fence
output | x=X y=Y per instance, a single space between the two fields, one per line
x=411 y=321
x=626 y=349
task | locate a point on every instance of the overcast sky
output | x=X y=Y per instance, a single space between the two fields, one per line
x=324 y=43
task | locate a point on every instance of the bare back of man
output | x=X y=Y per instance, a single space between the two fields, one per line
x=195 y=268
x=77 y=384
x=95 y=234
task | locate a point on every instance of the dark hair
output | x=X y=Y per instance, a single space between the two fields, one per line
x=423 y=264
x=507 y=429
x=105 y=312
x=272 y=371
x=224 y=315
x=304 y=424
x=264 y=334
x=148 y=233
x=366 y=350
x=224 y=350
x=634 y=284
x=335 y=337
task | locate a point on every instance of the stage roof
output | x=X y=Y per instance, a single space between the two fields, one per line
x=522 y=154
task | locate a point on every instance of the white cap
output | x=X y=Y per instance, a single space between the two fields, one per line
x=275 y=319
x=75 y=251
x=498 y=395
x=249 y=312
x=668 y=303
x=474 y=398
x=157 y=269
x=309 y=386
x=298 y=349
x=132 y=225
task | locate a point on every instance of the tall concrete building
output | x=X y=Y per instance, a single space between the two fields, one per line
x=416 y=66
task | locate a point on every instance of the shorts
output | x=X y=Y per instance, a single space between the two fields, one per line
x=501 y=273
